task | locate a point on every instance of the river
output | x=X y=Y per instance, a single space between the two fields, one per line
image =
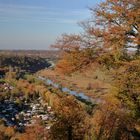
x=79 y=95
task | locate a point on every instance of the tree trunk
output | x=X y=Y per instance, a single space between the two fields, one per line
x=70 y=133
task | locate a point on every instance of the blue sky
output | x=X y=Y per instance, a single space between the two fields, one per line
x=35 y=24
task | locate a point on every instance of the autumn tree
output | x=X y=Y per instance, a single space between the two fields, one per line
x=116 y=25
x=35 y=132
x=74 y=55
x=72 y=123
x=113 y=27
x=6 y=133
x=68 y=42
x=112 y=121
x=128 y=83
x=69 y=46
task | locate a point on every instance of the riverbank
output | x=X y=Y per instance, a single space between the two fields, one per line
x=94 y=83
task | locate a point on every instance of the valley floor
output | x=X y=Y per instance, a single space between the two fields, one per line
x=93 y=82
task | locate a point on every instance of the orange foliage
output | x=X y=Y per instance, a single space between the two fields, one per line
x=111 y=121
x=68 y=42
x=73 y=122
x=117 y=24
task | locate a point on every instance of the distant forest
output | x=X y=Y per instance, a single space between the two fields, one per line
x=28 y=60
x=40 y=53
